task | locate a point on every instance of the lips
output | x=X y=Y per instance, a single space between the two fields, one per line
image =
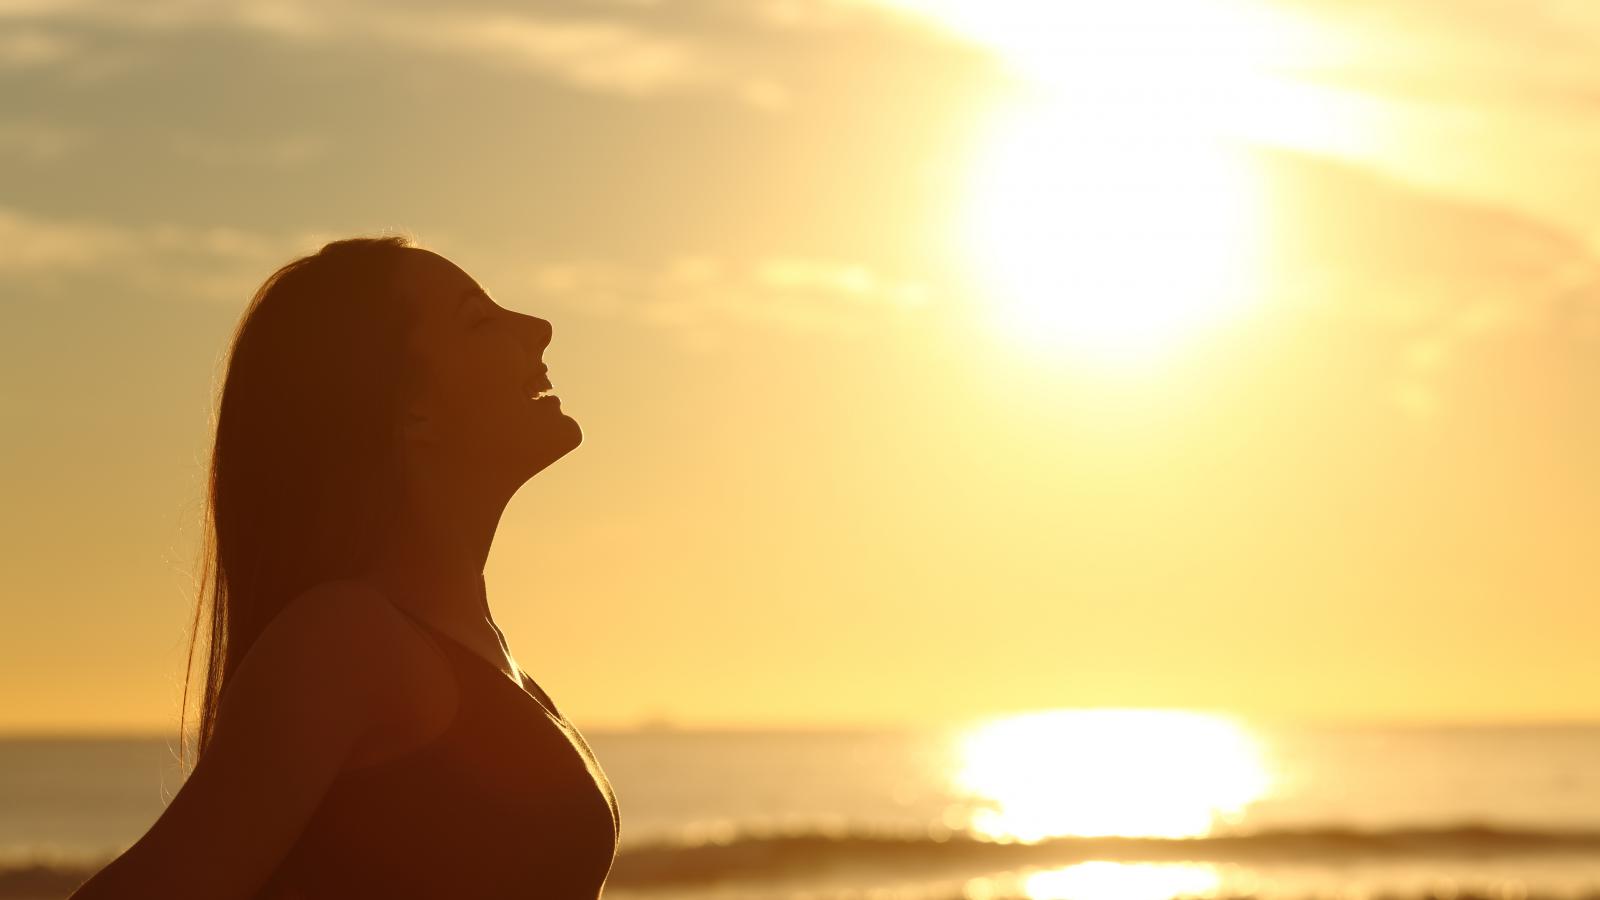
x=538 y=387
x=538 y=384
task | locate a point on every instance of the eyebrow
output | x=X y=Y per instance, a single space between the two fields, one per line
x=469 y=293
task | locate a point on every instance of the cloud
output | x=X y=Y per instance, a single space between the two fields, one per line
x=600 y=53
x=816 y=14
x=25 y=47
x=32 y=244
x=28 y=48
x=764 y=94
x=38 y=141
x=703 y=296
x=217 y=263
x=35 y=243
x=1382 y=247
x=1450 y=276
x=276 y=153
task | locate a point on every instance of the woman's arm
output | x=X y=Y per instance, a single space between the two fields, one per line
x=310 y=688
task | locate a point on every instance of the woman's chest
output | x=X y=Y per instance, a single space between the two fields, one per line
x=508 y=797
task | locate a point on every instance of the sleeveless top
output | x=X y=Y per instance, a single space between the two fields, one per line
x=508 y=803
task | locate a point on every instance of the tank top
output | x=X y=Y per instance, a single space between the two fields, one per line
x=508 y=803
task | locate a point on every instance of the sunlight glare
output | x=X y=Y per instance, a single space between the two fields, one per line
x=1095 y=773
x=1112 y=213
x=1113 y=245
x=1101 y=880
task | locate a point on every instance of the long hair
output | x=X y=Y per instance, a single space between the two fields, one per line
x=306 y=470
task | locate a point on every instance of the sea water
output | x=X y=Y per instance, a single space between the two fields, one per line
x=1147 y=814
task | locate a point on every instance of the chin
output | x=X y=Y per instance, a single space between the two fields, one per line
x=572 y=433
x=559 y=438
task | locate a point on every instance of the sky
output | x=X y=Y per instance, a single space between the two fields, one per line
x=935 y=358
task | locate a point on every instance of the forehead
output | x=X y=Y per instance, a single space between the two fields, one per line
x=433 y=285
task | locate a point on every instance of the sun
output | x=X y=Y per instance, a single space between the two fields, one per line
x=1110 y=212
x=1113 y=245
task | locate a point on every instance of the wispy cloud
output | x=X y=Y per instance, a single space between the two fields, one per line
x=817 y=14
x=703 y=297
x=277 y=153
x=27 y=48
x=594 y=52
x=39 y=141
x=33 y=244
x=32 y=40
x=159 y=260
x=1447 y=275
x=598 y=55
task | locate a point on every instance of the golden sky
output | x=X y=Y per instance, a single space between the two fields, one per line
x=936 y=358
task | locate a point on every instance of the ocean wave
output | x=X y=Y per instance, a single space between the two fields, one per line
x=760 y=854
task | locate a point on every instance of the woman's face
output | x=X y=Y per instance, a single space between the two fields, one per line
x=482 y=366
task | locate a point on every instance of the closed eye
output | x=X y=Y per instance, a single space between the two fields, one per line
x=487 y=311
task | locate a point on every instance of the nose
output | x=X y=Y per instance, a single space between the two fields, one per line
x=539 y=333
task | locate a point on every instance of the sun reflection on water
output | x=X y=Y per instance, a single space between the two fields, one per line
x=1101 y=880
x=1095 y=773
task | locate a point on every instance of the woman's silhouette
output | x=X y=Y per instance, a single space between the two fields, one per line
x=364 y=730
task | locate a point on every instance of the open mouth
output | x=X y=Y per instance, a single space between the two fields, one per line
x=539 y=389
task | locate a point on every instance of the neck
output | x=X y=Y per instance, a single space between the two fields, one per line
x=433 y=563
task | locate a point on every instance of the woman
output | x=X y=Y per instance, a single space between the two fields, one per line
x=364 y=730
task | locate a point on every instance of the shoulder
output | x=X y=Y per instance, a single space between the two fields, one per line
x=339 y=644
x=312 y=689
x=333 y=622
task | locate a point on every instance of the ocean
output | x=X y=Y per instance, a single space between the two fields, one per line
x=1089 y=805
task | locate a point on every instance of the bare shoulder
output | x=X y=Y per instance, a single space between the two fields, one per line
x=339 y=644
x=344 y=614
x=330 y=673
